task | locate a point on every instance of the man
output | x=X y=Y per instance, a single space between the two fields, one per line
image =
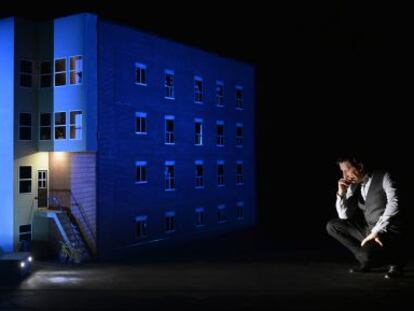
x=370 y=222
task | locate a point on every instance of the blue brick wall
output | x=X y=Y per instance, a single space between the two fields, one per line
x=120 y=199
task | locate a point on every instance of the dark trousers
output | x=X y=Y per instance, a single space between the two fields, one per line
x=350 y=233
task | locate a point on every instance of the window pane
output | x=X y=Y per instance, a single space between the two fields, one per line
x=25 y=186
x=170 y=125
x=45 y=133
x=25 y=172
x=26 y=66
x=25 y=80
x=45 y=68
x=75 y=117
x=60 y=132
x=60 y=118
x=46 y=81
x=25 y=133
x=25 y=119
x=75 y=77
x=60 y=79
x=45 y=119
x=76 y=63
x=60 y=65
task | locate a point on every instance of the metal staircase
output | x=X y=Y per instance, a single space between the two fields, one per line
x=74 y=245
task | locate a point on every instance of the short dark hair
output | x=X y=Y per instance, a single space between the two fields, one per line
x=353 y=159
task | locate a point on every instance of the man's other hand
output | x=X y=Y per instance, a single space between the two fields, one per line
x=371 y=236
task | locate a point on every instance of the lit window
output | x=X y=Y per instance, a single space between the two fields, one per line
x=60 y=72
x=76 y=125
x=76 y=70
x=60 y=125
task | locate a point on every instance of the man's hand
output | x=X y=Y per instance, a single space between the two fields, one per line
x=370 y=237
x=343 y=185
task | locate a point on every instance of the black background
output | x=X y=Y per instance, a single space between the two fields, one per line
x=332 y=77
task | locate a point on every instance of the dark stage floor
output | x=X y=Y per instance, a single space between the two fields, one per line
x=228 y=277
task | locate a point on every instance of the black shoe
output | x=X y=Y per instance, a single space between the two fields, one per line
x=360 y=269
x=394 y=272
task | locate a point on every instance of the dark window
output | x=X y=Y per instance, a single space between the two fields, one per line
x=25 y=179
x=25 y=126
x=45 y=74
x=45 y=126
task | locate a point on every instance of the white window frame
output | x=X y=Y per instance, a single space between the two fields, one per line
x=219 y=138
x=170 y=225
x=142 y=68
x=45 y=126
x=142 y=222
x=198 y=91
x=239 y=139
x=76 y=125
x=168 y=180
x=65 y=72
x=26 y=126
x=239 y=177
x=220 y=95
x=199 y=179
x=138 y=166
x=141 y=116
x=239 y=101
x=169 y=138
x=198 y=137
x=42 y=179
x=220 y=178
x=200 y=217
x=169 y=89
x=76 y=70
x=63 y=126
x=26 y=179
x=23 y=73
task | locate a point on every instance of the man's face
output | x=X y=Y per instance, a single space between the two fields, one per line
x=351 y=173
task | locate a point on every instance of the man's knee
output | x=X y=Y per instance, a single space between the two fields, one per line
x=334 y=225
